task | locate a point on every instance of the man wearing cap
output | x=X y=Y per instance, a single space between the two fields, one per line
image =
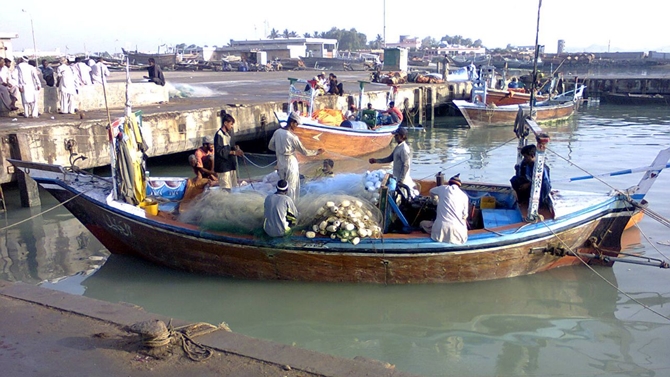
x=279 y=211
x=285 y=143
x=29 y=86
x=452 y=213
x=401 y=158
x=204 y=159
x=226 y=152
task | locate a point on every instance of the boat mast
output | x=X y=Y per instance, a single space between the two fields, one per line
x=533 y=86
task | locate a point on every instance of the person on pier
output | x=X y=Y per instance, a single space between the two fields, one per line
x=155 y=73
x=29 y=86
x=67 y=87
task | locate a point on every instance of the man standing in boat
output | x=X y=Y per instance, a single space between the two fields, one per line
x=285 y=143
x=226 y=153
x=401 y=158
x=279 y=211
x=452 y=213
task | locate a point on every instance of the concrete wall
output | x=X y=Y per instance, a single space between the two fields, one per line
x=92 y=97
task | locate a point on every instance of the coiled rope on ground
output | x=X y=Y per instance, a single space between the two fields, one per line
x=156 y=335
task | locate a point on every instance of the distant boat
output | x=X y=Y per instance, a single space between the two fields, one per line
x=479 y=113
x=168 y=60
x=360 y=139
x=635 y=99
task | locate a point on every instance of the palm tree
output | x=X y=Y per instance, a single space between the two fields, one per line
x=274 y=34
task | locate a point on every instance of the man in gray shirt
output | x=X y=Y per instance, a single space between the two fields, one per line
x=280 y=212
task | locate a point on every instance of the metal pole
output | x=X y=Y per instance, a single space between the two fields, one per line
x=32 y=29
x=384 y=23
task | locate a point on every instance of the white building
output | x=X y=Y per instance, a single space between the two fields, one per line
x=6 y=44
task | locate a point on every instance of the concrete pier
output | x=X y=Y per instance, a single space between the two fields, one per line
x=50 y=333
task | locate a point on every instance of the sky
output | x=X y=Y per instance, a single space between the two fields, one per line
x=82 y=26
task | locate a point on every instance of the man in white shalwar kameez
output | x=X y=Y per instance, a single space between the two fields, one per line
x=82 y=72
x=67 y=87
x=8 y=92
x=284 y=143
x=29 y=86
x=402 y=160
x=452 y=213
x=99 y=72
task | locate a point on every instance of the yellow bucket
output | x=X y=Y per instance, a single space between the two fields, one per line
x=488 y=202
x=150 y=207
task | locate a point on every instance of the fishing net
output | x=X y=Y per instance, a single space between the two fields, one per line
x=239 y=212
x=338 y=200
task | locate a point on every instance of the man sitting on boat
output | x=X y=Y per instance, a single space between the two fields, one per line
x=279 y=212
x=392 y=115
x=204 y=159
x=450 y=224
x=521 y=181
x=327 y=170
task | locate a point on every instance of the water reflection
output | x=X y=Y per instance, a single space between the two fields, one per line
x=49 y=247
x=502 y=327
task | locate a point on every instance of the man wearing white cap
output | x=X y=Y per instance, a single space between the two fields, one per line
x=279 y=211
x=452 y=212
x=29 y=86
x=284 y=143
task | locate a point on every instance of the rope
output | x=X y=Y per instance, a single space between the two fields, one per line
x=650 y=242
x=464 y=161
x=181 y=335
x=574 y=253
x=584 y=170
x=43 y=212
x=258 y=166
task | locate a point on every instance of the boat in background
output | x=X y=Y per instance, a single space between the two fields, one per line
x=478 y=113
x=326 y=129
x=166 y=61
x=635 y=99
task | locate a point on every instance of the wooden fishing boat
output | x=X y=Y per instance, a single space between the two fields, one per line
x=502 y=97
x=167 y=61
x=363 y=137
x=480 y=114
x=635 y=99
x=506 y=239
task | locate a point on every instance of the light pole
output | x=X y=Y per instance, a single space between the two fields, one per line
x=32 y=29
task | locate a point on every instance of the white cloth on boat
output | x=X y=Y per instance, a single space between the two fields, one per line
x=284 y=143
x=452 y=212
x=29 y=86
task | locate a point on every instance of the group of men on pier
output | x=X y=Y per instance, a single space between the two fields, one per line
x=25 y=80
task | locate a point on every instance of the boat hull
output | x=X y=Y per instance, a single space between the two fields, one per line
x=635 y=99
x=507 y=97
x=395 y=259
x=484 y=116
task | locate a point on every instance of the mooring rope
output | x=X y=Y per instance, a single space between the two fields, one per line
x=155 y=334
x=45 y=211
x=575 y=254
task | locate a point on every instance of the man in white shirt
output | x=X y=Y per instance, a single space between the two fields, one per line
x=452 y=213
x=67 y=87
x=29 y=86
x=82 y=72
x=99 y=72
